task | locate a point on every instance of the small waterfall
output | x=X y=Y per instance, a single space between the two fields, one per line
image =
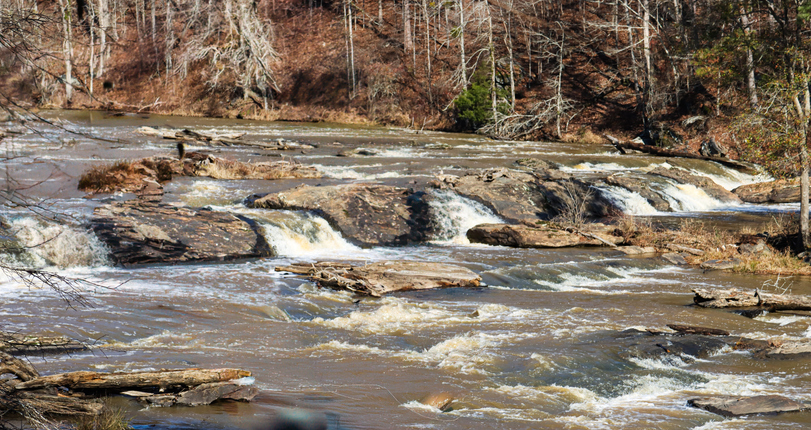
x=295 y=234
x=630 y=202
x=689 y=198
x=454 y=215
x=49 y=244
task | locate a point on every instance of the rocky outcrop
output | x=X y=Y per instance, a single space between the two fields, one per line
x=385 y=277
x=366 y=214
x=139 y=232
x=779 y=191
x=543 y=235
x=706 y=184
x=734 y=406
x=529 y=196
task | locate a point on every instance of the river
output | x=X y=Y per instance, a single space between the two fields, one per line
x=528 y=350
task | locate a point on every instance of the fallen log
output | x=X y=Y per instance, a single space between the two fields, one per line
x=163 y=379
x=735 y=298
x=688 y=329
x=18 y=344
x=377 y=279
x=664 y=152
x=226 y=139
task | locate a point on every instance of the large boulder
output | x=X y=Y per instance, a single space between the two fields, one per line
x=142 y=232
x=779 y=191
x=366 y=214
x=376 y=279
x=544 y=235
x=526 y=197
x=706 y=184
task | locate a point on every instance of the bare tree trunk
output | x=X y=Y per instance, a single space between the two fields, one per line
x=380 y=11
x=492 y=48
x=428 y=46
x=67 y=47
x=805 y=231
x=646 y=48
x=463 y=60
x=104 y=25
x=351 y=48
x=750 y=62
x=408 y=42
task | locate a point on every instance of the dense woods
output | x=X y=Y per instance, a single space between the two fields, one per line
x=671 y=69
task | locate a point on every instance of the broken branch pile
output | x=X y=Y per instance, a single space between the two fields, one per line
x=225 y=139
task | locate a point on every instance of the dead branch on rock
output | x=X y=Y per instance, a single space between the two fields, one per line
x=735 y=298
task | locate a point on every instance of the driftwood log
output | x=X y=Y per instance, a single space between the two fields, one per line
x=20 y=344
x=74 y=393
x=664 y=152
x=226 y=139
x=735 y=298
x=136 y=380
x=377 y=279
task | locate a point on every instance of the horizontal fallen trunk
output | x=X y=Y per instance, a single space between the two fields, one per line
x=18 y=344
x=664 y=152
x=735 y=298
x=227 y=139
x=136 y=380
x=377 y=279
x=688 y=329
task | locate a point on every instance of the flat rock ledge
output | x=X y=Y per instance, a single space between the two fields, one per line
x=734 y=406
x=366 y=214
x=144 y=232
x=385 y=277
x=544 y=235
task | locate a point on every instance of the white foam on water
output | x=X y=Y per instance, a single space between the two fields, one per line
x=455 y=215
x=783 y=320
x=630 y=202
x=206 y=192
x=595 y=167
x=52 y=245
x=733 y=178
x=396 y=318
x=469 y=353
x=689 y=198
x=349 y=172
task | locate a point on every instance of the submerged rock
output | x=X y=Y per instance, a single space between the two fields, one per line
x=377 y=279
x=720 y=264
x=779 y=191
x=368 y=215
x=733 y=406
x=139 y=232
x=543 y=235
x=441 y=401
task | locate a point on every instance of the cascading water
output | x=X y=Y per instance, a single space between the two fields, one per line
x=454 y=215
x=48 y=244
x=630 y=202
x=296 y=234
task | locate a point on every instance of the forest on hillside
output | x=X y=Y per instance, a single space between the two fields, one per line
x=674 y=70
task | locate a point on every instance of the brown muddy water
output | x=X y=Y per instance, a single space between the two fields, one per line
x=528 y=350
